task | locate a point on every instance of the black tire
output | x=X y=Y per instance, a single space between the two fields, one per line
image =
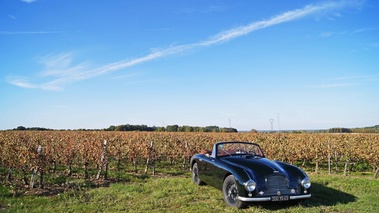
x=195 y=175
x=230 y=192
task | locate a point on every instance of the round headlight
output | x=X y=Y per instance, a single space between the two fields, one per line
x=306 y=183
x=250 y=185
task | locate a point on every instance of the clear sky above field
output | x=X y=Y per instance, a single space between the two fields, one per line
x=69 y=64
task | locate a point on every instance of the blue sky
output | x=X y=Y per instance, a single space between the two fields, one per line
x=68 y=64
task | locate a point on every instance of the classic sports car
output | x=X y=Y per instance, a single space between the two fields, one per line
x=244 y=174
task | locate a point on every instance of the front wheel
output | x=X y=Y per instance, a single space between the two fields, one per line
x=230 y=192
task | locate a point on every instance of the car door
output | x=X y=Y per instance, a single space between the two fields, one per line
x=213 y=173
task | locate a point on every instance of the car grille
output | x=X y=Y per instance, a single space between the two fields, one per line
x=277 y=183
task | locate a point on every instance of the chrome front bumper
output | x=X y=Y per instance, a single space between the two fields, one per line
x=259 y=199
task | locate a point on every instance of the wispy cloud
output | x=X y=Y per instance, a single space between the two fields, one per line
x=61 y=65
x=28 y=1
x=20 y=81
x=332 y=34
x=334 y=85
x=358 y=78
x=282 y=18
x=65 y=72
x=362 y=30
x=347 y=81
x=340 y=33
x=207 y=9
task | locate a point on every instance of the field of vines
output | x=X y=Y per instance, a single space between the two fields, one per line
x=36 y=153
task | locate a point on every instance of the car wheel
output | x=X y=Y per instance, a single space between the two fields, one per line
x=230 y=192
x=195 y=175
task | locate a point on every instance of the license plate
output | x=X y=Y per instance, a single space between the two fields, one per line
x=280 y=198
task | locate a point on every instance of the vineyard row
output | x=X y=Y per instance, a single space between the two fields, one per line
x=33 y=151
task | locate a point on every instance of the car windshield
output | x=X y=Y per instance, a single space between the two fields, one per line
x=232 y=149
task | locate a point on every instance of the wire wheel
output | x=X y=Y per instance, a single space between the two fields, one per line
x=230 y=191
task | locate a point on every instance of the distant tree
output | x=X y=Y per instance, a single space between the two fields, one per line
x=20 y=128
x=189 y=129
x=169 y=128
x=118 y=128
x=198 y=129
x=160 y=129
x=37 y=129
x=339 y=130
x=228 y=130
x=112 y=128
x=172 y=128
x=211 y=129
x=32 y=128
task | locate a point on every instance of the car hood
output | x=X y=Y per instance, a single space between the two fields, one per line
x=259 y=166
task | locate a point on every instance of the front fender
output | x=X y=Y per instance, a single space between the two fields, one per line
x=241 y=175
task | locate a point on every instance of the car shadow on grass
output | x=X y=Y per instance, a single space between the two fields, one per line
x=321 y=196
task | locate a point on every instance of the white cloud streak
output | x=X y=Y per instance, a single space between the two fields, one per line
x=28 y=1
x=341 y=33
x=20 y=81
x=335 y=85
x=60 y=66
x=347 y=81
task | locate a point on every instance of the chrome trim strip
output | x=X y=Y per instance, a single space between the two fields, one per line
x=254 y=199
x=258 y=199
x=299 y=197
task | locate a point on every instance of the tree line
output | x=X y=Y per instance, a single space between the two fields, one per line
x=170 y=128
x=145 y=128
x=185 y=128
x=372 y=129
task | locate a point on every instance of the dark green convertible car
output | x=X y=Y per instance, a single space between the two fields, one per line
x=244 y=174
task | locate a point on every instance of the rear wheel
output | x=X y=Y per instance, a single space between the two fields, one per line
x=230 y=192
x=195 y=175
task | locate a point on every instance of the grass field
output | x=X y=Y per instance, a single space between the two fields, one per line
x=177 y=193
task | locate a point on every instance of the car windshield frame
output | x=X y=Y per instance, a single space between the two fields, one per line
x=228 y=149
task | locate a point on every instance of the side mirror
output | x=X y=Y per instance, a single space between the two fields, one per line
x=207 y=155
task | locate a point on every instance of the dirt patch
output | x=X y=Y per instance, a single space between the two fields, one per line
x=45 y=191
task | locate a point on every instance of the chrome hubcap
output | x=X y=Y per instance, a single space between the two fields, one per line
x=232 y=192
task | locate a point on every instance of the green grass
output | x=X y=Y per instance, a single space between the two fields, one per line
x=142 y=193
